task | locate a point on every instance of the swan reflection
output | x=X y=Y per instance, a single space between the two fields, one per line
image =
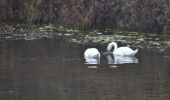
x=116 y=59
x=92 y=60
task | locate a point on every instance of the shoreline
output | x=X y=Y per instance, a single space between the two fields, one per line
x=90 y=37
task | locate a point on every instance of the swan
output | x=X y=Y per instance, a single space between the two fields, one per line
x=91 y=53
x=121 y=51
x=92 y=56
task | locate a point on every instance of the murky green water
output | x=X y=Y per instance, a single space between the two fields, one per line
x=54 y=70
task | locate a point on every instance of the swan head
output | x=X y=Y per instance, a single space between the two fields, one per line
x=111 y=45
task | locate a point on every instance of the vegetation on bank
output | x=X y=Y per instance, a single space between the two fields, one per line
x=149 y=16
x=85 y=37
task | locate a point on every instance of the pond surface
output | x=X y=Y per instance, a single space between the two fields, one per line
x=55 y=70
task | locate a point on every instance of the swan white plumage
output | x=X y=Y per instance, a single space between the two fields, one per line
x=92 y=56
x=92 y=53
x=122 y=51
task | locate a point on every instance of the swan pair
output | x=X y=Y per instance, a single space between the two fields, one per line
x=121 y=51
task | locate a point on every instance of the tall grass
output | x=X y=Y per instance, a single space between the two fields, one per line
x=133 y=15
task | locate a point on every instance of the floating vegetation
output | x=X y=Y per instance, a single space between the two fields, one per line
x=93 y=37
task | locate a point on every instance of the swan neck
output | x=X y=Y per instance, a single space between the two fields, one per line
x=111 y=45
x=115 y=46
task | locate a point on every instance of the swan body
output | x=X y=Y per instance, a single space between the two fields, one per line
x=92 y=53
x=92 y=56
x=121 y=51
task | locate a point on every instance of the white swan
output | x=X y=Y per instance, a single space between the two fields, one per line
x=92 y=53
x=92 y=56
x=121 y=51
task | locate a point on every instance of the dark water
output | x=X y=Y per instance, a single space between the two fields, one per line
x=53 y=70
